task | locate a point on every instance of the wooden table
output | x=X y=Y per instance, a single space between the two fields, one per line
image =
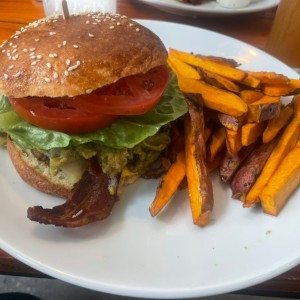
x=252 y=28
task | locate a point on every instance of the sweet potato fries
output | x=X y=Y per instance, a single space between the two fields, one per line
x=238 y=124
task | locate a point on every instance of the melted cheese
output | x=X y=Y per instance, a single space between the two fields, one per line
x=74 y=170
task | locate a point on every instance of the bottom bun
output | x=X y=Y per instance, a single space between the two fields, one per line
x=37 y=172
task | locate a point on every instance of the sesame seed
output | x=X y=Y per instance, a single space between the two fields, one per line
x=72 y=68
x=68 y=62
x=14 y=51
x=88 y=91
x=48 y=65
x=53 y=55
x=91 y=35
x=64 y=43
x=18 y=74
x=52 y=32
x=87 y=22
x=37 y=40
x=3 y=51
x=10 y=67
x=111 y=27
x=16 y=36
x=32 y=49
x=33 y=63
x=59 y=46
x=5 y=76
x=55 y=75
x=32 y=57
x=66 y=73
x=137 y=29
x=76 y=46
x=25 y=50
x=39 y=56
x=47 y=79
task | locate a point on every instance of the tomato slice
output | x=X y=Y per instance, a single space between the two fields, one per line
x=49 y=113
x=132 y=95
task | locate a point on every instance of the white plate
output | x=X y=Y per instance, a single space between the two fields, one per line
x=134 y=254
x=209 y=8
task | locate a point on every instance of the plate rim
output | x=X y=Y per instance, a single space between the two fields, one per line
x=197 y=11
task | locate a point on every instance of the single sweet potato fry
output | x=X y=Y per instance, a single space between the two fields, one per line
x=230 y=122
x=180 y=68
x=277 y=90
x=276 y=124
x=250 y=96
x=251 y=132
x=221 y=60
x=199 y=182
x=270 y=77
x=295 y=83
x=214 y=98
x=169 y=184
x=233 y=141
x=207 y=133
x=287 y=141
x=296 y=103
x=230 y=163
x=289 y=88
x=209 y=65
x=263 y=109
x=282 y=183
x=245 y=177
x=216 y=144
x=219 y=81
x=215 y=164
x=250 y=81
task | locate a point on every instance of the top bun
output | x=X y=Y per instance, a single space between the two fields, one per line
x=55 y=57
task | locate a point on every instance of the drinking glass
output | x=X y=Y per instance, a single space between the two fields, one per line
x=284 y=39
x=77 y=6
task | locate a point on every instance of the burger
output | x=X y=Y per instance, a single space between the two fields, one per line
x=85 y=107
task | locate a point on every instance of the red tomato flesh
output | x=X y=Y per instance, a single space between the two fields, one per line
x=133 y=95
x=48 y=113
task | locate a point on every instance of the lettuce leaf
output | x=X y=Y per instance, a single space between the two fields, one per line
x=127 y=132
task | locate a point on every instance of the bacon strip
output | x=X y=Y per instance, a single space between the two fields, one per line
x=90 y=201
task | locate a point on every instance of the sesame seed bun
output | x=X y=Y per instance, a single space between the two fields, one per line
x=54 y=57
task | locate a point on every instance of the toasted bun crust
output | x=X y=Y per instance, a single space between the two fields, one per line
x=53 y=57
x=37 y=173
